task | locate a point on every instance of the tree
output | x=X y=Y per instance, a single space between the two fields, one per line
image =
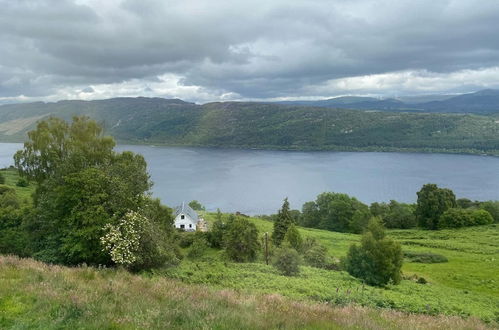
x=217 y=231
x=287 y=261
x=432 y=203
x=492 y=207
x=282 y=223
x=84 y=188
x=293 y=238
x=333 y=211
x=399 y=215
x=195 y=205
x=310 y=215
x=314 y=253
x=378 y=259
x=241 y=240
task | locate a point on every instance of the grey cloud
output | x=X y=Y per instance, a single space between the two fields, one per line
x=255 y=49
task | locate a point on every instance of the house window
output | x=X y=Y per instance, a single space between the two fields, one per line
x=190 y=225
x=182 y=226
x=182 y=217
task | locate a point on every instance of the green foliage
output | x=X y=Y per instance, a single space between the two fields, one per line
x=481 y=217
x=84 y=191
x=492 y=207
x=273 y=126
x=287 y=261
x=457 y=218
x=56 y=148
x=22 y=182
x=195 y=205
x=241 y=240
x=186 y=239
x=395 y=214
x=217 y=231
x=198 y=247
x=293 y=238
x=281 y=223
x=314 y=253
x=378 y=260
x=2 y=178
x=336 y=212
x=425 y=257
x=432 y=203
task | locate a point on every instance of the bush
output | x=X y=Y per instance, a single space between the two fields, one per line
x=425 y=258
x=293 y=238
x=22 y=182
x=287 y=261
x=492 y=207
x=198 y=247
x=137 y=243
x=378 y=259
x=481 y=217
x=316 y=256
x=2 y=178
x=217 y=232
x=241 y=240
x=455 y=218
x=186 y=239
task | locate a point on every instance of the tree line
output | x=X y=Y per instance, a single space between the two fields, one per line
x=436 y=208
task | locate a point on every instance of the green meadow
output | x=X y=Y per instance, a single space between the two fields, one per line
x=466 y=285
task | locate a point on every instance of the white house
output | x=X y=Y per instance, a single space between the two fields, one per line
x=186 y=218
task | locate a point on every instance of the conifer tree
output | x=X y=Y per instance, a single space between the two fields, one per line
x=282 y=223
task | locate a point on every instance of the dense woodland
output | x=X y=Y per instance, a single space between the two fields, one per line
x=268 y=126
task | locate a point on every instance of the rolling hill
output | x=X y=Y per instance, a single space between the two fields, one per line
x=260 y=125
x=481 y=102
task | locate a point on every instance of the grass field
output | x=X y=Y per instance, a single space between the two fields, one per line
x=11 y=177
x=34 y=295
x=466 y=285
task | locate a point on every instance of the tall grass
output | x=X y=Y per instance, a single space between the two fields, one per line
x=41 y=296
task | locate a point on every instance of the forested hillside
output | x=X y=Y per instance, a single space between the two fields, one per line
x=258 y=125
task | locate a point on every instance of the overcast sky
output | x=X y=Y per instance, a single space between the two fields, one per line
x=214 y=50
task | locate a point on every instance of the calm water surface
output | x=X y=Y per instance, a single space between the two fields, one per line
x=255 y=181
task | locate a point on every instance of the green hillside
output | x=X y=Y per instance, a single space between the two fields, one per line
x=34 y=295
x=268 y=126
x=466 y=285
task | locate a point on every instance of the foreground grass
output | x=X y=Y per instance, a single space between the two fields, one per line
x=36 y=295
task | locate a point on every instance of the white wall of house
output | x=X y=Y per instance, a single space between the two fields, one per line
x=185 y=222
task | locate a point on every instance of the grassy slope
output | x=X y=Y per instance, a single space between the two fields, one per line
x=11 y=177
x=466 y=285
x=36 y=295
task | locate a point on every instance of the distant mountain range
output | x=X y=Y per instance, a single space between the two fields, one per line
x=481 y=102
x=271 y=126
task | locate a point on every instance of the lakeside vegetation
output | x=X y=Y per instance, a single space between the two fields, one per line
x=265 y=126
x=90 y=205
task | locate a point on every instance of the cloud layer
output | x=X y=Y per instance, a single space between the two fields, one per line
x=222 y=50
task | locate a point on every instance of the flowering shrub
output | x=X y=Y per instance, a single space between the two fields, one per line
x=122 y=241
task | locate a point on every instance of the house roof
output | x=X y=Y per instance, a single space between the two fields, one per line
x=186 y=209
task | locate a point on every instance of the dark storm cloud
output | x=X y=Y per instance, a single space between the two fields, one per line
x=253 y=49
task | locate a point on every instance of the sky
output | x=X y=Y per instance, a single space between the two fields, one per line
x=222 y=50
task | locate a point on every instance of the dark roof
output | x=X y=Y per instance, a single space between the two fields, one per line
x=186 y=209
